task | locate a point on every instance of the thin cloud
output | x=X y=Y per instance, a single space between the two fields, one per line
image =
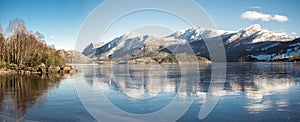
x=294 y=33
x=254 y=15
x=255 y=7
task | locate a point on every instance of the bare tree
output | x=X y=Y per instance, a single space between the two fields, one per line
x=2 y=46
x=21 y=46
x=16 y=25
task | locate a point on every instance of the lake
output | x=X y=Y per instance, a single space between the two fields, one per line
x=249 y=92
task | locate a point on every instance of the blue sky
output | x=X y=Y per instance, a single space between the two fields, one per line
x=60 y=20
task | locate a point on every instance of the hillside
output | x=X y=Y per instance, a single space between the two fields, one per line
x=75 y=57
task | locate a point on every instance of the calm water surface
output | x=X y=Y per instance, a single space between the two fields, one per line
x=251 y=92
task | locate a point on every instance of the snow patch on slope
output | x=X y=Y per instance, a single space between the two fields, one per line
x=272 y=57
x=198 y=34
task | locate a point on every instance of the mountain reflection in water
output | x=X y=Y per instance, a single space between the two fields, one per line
x=254 y=79
x=251 y=92
x=254 y=87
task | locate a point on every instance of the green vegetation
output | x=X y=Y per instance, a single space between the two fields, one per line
x=24 y=48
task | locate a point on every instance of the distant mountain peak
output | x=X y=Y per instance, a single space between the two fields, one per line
x=133 y=35
x=254 y=27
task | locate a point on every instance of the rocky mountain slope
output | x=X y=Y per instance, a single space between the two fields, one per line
x=250 y=44
x=75 y=57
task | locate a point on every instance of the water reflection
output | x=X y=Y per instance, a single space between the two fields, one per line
x=257 y=83
x=251 y=90
x=255 y=80
x=144 y=81
x=261 y=87
x=18 y=93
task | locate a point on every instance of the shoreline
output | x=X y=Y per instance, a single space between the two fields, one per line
x=70 y=70
x=41 y=69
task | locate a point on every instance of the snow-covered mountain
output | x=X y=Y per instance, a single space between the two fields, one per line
x=254 y=41
x=251 y=43
x=91 y=49
x=133 y=45
x=199 y=33
x=255 y=33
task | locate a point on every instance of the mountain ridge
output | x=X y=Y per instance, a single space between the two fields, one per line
x=245 y=45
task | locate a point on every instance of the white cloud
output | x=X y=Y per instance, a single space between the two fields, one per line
x=254 y=15
x=255 y=7
x=280 y=18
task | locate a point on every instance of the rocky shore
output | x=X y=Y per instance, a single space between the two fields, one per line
x=41 y=69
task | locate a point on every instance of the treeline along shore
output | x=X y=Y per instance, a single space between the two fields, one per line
x=25 y=51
